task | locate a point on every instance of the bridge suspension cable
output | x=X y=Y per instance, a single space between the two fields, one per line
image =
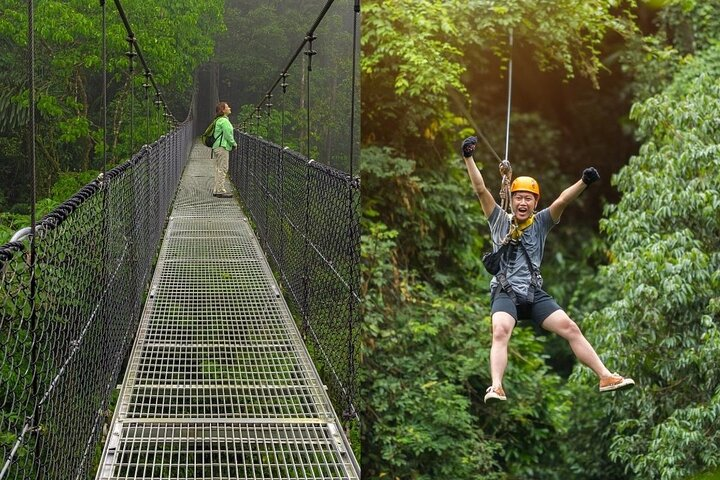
x=132 y=39
x=308 y=49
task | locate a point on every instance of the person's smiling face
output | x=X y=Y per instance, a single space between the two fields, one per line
x=523 y=205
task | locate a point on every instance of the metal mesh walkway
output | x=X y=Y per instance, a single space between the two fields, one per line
x=219 y=384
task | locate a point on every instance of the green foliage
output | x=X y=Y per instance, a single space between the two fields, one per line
x=425 y=368
x=426 y=350
x=662 y=323
x=417 y=421
x=715 y=475
x=684 y=27
x=429 y=211
x=415 y=54
x=67 y=185
x=691 y=25
x=174 y=38
x=427 y=310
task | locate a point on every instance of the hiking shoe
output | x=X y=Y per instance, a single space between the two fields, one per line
x=495 y=393
x=615 y=382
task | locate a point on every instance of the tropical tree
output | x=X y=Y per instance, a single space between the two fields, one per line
x=174 y=37
x=663 y=319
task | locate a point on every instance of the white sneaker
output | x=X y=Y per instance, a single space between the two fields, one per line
x=615 y=382
x=495 y=393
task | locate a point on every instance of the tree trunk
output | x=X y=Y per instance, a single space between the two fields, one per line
x=120 y=101
x=88 y=147
x=327 y=152
x=303 y=68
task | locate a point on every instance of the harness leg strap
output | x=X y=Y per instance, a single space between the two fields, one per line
x=507 y=288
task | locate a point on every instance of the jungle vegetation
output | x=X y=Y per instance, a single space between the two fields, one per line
x=631 y=88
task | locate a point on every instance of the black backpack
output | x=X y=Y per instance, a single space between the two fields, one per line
x=208 y=137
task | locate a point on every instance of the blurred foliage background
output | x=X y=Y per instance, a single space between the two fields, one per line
x=631 y=88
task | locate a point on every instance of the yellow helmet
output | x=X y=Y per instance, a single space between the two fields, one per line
x=525 y=184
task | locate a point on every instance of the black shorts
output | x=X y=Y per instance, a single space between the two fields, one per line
x=543 y=306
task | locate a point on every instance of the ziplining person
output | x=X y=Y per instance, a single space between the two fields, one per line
x=516 y=289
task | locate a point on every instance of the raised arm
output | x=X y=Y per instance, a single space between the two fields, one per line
x=590 y=175
x=486 y=199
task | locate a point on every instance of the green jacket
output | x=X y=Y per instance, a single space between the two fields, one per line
x=224 y=137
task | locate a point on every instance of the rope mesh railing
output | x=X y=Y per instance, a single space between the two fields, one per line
x=63 y=343
x=307 y=219
x=306 y=212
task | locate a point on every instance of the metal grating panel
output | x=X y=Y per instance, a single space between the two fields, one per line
x=219 y=384
x=228 y=451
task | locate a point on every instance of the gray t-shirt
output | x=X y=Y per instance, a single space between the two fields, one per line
x=515 y=265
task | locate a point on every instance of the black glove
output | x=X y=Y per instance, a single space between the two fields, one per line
x=590 y=175
x=468 y=146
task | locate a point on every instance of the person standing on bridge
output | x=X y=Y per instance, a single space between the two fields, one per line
x=224 y=143
x=516 y=289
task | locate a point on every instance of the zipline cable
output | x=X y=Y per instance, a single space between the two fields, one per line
x=505 y=167
x=509 y=99
x=104 y=83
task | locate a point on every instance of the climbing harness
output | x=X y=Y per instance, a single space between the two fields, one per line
x=513 y=240
x=535 y=277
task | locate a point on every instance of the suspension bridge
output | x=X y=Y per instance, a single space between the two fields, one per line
x=150 y=330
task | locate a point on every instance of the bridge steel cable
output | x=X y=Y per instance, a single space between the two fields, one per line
x=318 y=261
x=136 y=51
x=69 y=306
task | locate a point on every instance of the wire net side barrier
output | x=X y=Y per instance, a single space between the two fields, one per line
x=307 y=218
x=68 y=322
